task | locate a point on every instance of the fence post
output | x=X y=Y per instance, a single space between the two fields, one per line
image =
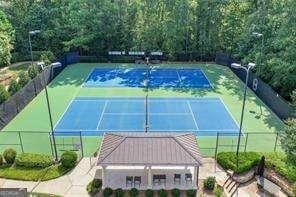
x=21 y=142
x=276 y=140
x=81 y=144
x=217 y=140
x=50 y=144
x=246 y=142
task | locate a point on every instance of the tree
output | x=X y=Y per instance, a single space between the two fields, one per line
x=13 y=87
x=293 y=102
x=6 y=37
x=23 y=78
x=3 y=94
x=288 y=139
x=32 y=71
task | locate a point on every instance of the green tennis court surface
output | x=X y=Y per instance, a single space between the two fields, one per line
x=259 y=122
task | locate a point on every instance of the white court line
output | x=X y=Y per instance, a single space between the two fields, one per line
x=207 y=78
x=61 y=117
x=111 y=100
x=229 y=113
x=192 y=115
x=168 y=113
x=85 y=79
x=179 y=76
x=102 y=114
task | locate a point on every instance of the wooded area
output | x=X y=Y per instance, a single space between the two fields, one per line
x=175 y=26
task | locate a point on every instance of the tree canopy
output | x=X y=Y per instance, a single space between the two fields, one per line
x=175 y=26
x=6 y=36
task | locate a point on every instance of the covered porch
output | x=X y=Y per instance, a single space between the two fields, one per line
x=149 y=161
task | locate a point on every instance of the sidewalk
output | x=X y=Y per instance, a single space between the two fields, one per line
x=72 y=184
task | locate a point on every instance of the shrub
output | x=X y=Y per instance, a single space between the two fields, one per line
x=175 y=192
x=162 y=193
x=107 y=192
x=191 y=193
x=33 y=71
x=31 y=160
x=3 y=94
x=218 y=191
x=247 y=160
x=209 y=183
x=134 y=192
x=288 y=139
x=9 y=155
x=1 y=160
x=23 y=78
x=13 y=87
x=118 y=192
x=68 y=159
x=294 y=189
x=282 y=165
x=94 y=186
x=149 y=193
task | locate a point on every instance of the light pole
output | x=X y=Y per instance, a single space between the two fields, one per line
x=34 y=32
x=247 y=69
x=258 y=35
x=49 y=113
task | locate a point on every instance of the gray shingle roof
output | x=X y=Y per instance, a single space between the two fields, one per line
x=149 y=149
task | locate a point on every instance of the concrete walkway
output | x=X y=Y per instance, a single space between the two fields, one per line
x=72 y=184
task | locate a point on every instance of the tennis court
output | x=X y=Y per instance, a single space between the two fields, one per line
x=93 y=116
x=141 y=77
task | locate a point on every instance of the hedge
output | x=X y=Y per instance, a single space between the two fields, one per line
x=247 y=160
x=31 y=160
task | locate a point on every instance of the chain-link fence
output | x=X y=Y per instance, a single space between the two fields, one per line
x=42 y=142
x=11 y=107
x=85 y=145
x=250 y=141
x=272 y=99
x=89 y=57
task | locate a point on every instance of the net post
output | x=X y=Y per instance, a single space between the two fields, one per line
x=276 y=140
x=246 y=142
x=81 y=144
x=146 y=114
x=217 y=141
x=21 y=142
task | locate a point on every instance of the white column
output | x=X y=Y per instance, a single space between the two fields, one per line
x=103 y=177
x=195 y=176
x=149 y=176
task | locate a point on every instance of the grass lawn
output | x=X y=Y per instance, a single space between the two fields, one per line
x=29 y=174
x=66 y=86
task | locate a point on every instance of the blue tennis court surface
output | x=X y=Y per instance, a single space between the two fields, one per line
x=93 y=116
x=141 y=77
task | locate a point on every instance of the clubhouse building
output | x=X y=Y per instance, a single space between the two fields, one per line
x=149 y=161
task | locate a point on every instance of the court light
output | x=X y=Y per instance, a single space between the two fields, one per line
x=34 y=32
x=236 y=65
x=42 y=65
x=247 y=68
x=257 y=34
